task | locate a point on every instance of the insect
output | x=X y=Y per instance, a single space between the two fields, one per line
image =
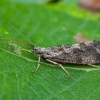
x=83 y=53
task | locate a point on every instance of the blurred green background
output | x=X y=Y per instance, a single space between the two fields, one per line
x=44 y=24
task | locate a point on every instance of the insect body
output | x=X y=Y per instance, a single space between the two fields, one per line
x=82 y=53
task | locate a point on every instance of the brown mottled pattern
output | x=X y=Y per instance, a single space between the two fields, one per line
x=83 y=53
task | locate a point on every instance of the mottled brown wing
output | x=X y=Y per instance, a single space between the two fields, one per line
x=83 y=53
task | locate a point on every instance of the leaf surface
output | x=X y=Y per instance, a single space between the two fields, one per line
x=44 y=26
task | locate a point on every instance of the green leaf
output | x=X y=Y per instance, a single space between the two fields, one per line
x=30 y=1
x=44 y=26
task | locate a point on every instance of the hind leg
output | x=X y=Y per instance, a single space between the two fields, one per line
x=60 y=66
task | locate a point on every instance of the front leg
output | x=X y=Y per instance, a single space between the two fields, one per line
x=37 y=65
x=58 y=65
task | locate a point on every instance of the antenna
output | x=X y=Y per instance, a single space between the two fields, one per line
x=17 y=42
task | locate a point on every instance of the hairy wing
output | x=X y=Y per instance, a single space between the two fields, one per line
x=83 y=53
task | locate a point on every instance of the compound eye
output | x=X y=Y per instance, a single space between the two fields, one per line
x=37 y=50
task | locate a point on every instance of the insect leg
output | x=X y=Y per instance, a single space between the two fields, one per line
x=37 y=65
x=93 y=65
x=60 y=66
